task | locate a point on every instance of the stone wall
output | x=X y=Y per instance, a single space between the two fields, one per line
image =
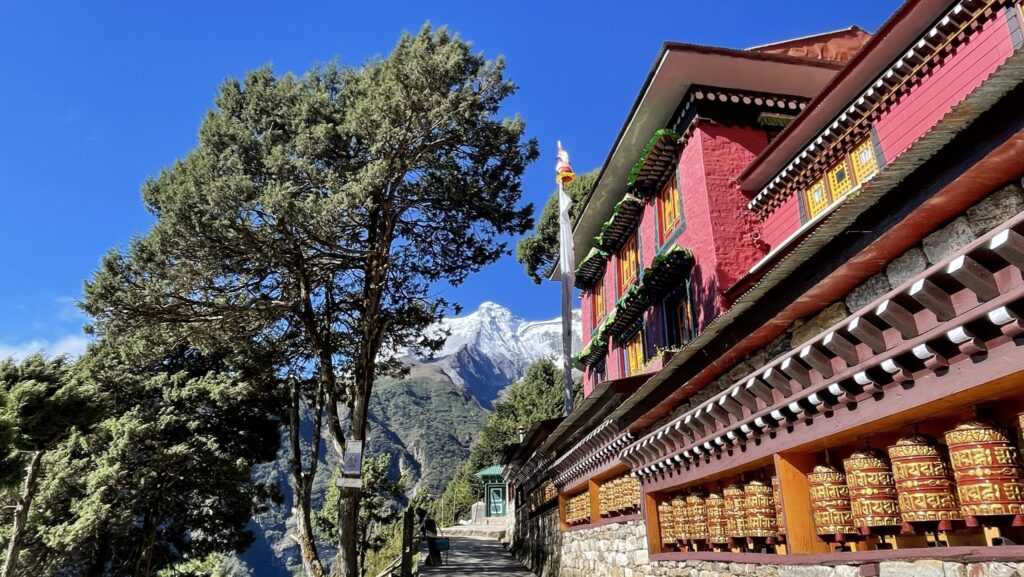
x=620 y=550
x=537 y=541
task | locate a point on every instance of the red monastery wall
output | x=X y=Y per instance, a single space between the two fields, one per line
x=944 y=87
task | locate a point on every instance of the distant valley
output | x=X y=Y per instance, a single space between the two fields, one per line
x=427 y=420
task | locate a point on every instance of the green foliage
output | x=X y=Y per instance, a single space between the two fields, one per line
x=379 y=508
x=216 y=565
x=39 y=406
x=537 y=397
x=166 y=476
x=538 y=252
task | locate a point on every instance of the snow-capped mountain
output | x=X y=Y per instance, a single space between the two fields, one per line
x=491 y=348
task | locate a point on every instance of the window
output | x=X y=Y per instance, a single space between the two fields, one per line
x=839 y=179
x=635 y=353
x=597 y=303
x=628 y=262
x=865 y=165
x=817 y=198
x=668 y=208
x=679 y=317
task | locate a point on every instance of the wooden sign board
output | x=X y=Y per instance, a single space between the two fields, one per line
x=350 y=482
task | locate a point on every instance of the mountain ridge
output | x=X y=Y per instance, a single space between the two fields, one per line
x=428 y=419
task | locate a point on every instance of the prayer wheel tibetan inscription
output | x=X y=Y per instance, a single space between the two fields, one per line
x=830 y=502
x=924 y=484
x=987 y=470
x=873 y=496
x=682 y=518
x=780 y=515
x=696 y=516
x=735 y=516
x=760 y=520
x=666 y=521
x=717 y=525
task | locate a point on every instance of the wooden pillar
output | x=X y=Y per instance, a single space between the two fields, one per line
x=650 y=514
x=792 y=469
x=595 y=500
x=562 y=512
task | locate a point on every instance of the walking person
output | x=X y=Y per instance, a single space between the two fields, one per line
x=428 y=528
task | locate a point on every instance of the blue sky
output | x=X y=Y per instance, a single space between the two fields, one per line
x=98 y=96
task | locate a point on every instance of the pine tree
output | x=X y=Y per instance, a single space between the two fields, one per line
x=165 y=478
x=40 y=406
x=312 y=225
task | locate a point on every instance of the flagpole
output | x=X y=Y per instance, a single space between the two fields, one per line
x=567 y=258
x=568 y=280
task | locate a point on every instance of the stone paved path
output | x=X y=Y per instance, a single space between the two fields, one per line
x=478 y=557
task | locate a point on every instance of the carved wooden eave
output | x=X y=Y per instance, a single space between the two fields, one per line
x=596 y=452
x=851 y=125
x=945 y=319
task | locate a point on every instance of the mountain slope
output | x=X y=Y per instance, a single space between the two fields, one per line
x=427 y=420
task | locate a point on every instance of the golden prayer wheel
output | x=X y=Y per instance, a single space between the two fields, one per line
x=714 y=505
x=735 y=516
x=873 y=495
x=780 y=515
x=987 y=470
x=682 y=518
x=830 y=502
x=760 y=520
x=697 y=516
x=924 y=483
x=631 y=485
x=665 y=522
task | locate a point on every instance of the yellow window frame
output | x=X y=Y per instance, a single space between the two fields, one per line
x=628 y=263
x=635 y=353
x=840 y=179
x=865 y=165
x=597 y=302
x=668 y=207
x=818 y=198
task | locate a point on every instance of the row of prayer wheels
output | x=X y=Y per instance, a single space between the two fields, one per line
x=577 y=509
x=542 y=496
x=619 y=496
x=737 y=511
x=915 y=484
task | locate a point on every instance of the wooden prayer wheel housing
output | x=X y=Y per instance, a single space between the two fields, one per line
x=873 y=496
x=830 y=503
x=987 y=470
x=760 y=520
x=924 y=483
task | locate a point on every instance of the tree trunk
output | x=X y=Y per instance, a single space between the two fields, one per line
x=302 y=482
x=28 y=492
x=144 y=562
x=307 y=547
x=347 y=564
